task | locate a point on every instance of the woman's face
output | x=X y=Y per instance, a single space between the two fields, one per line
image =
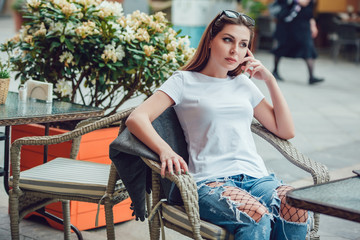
x=229 y=47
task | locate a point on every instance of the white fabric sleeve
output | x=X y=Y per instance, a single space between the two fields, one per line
x=257 y=95
x=173 y=87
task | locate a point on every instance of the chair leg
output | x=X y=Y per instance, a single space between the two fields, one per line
x=148 y=206
x=155 y=223
x=66 y=218
x=314 y=233
x=336 y=50
x=14 y=216
x=109 y=218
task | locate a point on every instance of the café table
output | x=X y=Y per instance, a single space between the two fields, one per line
x=338 y=198
x=17 y=112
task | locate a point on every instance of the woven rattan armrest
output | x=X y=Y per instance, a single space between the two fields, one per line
x=15 y=149
x=188 y=191
x=318 y=171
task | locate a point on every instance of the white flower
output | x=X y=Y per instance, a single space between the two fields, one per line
x=56 y=26
x=63 y=88
x=114 y=25
x=172 y=46
x=120 y=53
x=148 y=49
x=128 y=35
x=87 y=28
x=110 y=53
x=70 y=28
x=171 y=56
x=87 y=3
x=142 y=35
x=110 y=9
x=184 y=43
x=66 y=58
x=41 y=31
x=34 y=3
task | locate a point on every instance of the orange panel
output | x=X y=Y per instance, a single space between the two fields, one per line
x=90 y=147
x=122 y=212
x=324 y=6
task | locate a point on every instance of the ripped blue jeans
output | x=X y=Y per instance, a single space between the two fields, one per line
x=220 y=210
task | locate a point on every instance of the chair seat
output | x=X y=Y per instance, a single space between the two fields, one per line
x=67 y=177
x=177 y=216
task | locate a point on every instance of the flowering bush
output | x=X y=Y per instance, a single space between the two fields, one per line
x=93 y=53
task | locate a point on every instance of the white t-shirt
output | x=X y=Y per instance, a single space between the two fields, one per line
x=216 y=115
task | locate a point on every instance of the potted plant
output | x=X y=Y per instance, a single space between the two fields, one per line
x=4 y=81
x=94 y=54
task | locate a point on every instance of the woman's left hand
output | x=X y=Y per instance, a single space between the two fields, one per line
x=255 y=68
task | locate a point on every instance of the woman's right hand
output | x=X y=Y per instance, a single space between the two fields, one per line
x=170 y=160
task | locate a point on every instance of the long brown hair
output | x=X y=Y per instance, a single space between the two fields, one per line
x=202 y=54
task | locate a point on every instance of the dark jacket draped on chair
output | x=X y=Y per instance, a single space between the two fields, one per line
x=126 y=150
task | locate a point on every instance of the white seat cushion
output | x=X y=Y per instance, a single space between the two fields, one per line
x=67 y=176
x=176 y=215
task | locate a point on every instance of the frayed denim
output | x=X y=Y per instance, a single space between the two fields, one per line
x=220 y=210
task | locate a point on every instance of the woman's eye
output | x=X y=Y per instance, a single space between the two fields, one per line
x=243 y=44
x=227 y=39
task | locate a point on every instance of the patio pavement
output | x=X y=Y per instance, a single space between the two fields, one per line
x=326 y=116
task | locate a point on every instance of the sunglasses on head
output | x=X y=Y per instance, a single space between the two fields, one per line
x=234 y=14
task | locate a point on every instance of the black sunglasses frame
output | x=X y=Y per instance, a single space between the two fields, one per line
x=234 y=14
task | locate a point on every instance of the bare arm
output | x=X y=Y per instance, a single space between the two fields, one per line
x=313 y=28
x=277 y=117
x=139 y=124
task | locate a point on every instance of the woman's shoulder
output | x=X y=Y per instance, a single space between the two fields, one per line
x=181 y=75
x=244 y=80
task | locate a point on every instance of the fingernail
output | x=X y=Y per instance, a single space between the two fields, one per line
x=162 y=176
x=187 y=173
x=172 y=173
x=179 y=172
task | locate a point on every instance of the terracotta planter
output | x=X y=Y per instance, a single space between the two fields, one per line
x=18 y=18
x=94 y=147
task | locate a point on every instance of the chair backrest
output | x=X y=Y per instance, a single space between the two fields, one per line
x=167 y=126
x=345 y=31
x=126 y=150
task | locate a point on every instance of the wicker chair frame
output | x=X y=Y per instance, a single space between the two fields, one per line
x=23 y=201
x=188 y=189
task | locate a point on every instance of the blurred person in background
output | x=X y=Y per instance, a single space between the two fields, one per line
x=295 y=31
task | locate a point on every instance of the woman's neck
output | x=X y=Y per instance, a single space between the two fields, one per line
x=215 y=72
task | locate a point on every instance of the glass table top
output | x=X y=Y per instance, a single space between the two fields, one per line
x=15 y=112
x=343 y=194
x=340 y=198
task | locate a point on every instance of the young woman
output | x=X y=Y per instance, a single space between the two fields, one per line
x=215 y=102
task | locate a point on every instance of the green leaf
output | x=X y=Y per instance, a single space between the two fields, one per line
x=54 y=45
x=137 y=57
x=62 y=38
x=110 y=67
x=69 y=44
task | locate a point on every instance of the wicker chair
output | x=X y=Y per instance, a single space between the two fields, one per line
x=185 y=219
x=65 y=179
